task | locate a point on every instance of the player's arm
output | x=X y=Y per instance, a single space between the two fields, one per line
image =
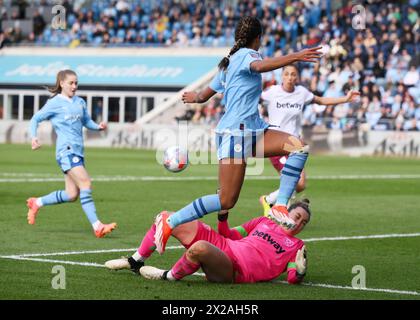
x=296 y=268
x=45 y=113
x=198 y=97
x=224 y=229
x=238 y=232
x=215 y=86
x=90 y=124
x=270 y=64
x=350 y=97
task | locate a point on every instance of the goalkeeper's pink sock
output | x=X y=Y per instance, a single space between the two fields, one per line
x=182 y=268
x=147 y=246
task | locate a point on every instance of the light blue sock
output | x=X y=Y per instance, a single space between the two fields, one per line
x=88 y=205
x=290 y=176
x=195 y=210
x=55 y=197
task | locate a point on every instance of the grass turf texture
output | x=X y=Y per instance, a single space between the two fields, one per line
x=340 y=208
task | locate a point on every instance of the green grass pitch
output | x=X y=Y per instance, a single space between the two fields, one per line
x=346 y=202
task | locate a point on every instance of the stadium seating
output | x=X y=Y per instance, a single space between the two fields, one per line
x=381 y=61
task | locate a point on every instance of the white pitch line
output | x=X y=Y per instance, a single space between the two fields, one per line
x=85 y=264
x=27 y=174
x=65 y=253
x=331 y=286
x=339 y=238
x=212 y=178
x=375 y=236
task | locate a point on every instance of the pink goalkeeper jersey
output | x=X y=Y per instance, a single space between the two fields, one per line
x=264 y=252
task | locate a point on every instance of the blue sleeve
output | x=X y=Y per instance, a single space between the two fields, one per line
x=47 y=111
x=250 y=57
x=87 y=120
x=217 y=83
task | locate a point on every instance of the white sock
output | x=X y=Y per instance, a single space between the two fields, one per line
x=169 y=276
x=272 y=197
x=39 y=202
x=136 y=256
x=96 y=225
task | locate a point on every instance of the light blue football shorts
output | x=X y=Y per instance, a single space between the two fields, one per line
x=237 y=143
x=69 y=161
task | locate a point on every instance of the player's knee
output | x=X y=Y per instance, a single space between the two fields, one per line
x=300 y=186
x=295 y=145
x=228 y=201
x=85 y=184
x=198 y=249
x=73 y=196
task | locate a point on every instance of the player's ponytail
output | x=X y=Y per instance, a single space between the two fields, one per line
x=248 y=29
x=61 y=76
x=304 y=204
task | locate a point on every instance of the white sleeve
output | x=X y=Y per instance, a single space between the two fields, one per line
x=308 y=96
x=266 y=94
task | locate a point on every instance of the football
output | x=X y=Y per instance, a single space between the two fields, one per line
x=175 y=159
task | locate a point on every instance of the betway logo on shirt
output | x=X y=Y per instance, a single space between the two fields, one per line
x=289 y=105
x=267 y=237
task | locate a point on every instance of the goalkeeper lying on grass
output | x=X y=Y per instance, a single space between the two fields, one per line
x=258 y=250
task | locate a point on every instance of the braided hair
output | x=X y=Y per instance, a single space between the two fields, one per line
x=248 y=29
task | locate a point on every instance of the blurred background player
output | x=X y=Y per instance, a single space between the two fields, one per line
x=241 y=132
x=68 y=115
x=285 y=105
x=229 y=255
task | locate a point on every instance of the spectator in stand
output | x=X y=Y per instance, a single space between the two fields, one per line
x=385 y=53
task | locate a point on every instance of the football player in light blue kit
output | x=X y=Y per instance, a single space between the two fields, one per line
x=241 y=133
x=68 y=115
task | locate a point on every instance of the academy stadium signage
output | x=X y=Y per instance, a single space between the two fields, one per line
x=170 y=71
x=201 y=138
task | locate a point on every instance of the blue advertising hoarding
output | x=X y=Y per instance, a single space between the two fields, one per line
x=162 y=71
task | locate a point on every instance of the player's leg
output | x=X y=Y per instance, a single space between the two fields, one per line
x=215 y=263
x=271 y=198
x=301 y=183
x=231 y=176
x=267 y=201
x=185 y=233
x=81 y=178
x=280 y=143
x=56 y=197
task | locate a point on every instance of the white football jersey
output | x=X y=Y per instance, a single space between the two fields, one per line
x=285 y=108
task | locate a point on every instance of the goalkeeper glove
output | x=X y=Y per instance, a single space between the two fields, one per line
x=301 y=262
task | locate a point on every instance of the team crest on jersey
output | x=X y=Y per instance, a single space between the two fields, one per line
x=237 y=147
x=255 y=55
x=288 y=243
x=75 y=159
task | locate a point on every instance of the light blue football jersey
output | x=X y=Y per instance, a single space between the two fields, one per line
x=68 y=116
x=241 y=88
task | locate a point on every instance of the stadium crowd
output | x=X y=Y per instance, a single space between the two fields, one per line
x=381 y=60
